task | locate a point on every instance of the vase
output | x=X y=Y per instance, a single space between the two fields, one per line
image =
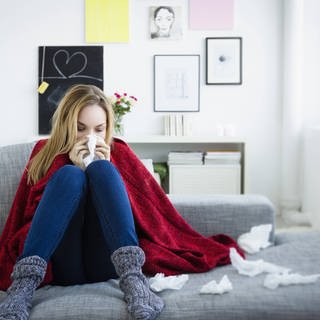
x=118 y=126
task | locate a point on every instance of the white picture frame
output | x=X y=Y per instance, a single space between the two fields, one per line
x=176 y=83
x=224 y=61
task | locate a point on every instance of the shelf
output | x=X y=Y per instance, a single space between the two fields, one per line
x=180 y=139
x=157 y=147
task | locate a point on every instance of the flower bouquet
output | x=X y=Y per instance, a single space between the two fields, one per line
x=121 y=104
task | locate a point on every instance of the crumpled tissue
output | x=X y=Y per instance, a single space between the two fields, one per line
x=253 y=268
x=257 y=238
x=213 y=287
x=91 y=146
x=272 y=281
x=160 y=282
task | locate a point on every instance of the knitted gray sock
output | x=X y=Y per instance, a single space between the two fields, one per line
x=27 y=275
x=142 y=303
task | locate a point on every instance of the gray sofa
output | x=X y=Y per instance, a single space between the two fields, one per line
x=209 y=215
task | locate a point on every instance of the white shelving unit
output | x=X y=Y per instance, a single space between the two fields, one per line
x=205 y=178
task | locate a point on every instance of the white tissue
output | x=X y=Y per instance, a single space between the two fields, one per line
x=272 y=281
x=159 y=282
x=213 y=287
x=91 y=146
x=257 y=238
x=253 y=268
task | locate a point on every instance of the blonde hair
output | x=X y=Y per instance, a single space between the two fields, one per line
x=64 y=127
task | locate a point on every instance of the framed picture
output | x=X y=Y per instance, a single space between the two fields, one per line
x=176 y=83
x=61 y=67
x=165 y=23
x=224 y=60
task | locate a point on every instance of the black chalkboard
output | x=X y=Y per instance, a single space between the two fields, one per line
x=62 y=67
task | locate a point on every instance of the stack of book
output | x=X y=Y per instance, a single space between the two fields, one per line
x=222 y=157
x=177 y=125
x=185 y=157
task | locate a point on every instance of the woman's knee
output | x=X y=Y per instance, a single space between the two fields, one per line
x=70 y=177
x=103 y=173
x=98 y=167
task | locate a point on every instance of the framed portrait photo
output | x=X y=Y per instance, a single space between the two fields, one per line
x=176 y=83
x=224 y=61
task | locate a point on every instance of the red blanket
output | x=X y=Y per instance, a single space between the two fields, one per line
x=170 y=244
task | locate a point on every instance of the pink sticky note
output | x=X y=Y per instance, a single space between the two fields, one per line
x=211 y=14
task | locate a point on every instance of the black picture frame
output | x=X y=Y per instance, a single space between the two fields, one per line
x=177 y=83
x=224 y=60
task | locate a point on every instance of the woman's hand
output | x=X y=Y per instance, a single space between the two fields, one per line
x=102 y=150
x=78 y=152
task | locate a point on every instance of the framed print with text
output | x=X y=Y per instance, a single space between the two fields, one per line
x=224 y=60
x=176 y=83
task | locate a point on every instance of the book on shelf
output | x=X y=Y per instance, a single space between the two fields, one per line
x=185 y=157
x=172 y=125
x=222 y=157
x=177 y=125
x=166 y=126
x=186 y=125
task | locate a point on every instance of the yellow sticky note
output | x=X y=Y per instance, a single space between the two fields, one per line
x=43 y=87
x=107 y=21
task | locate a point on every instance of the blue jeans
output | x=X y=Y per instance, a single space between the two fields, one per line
x=82 y=218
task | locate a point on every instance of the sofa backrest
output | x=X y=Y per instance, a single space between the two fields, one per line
x=13 y=159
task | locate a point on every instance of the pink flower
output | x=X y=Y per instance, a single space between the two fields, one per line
x=122 y=104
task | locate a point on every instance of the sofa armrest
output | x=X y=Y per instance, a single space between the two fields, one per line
x=228 y=214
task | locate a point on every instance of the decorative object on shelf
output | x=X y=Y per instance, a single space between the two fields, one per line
x=121 y=104
x=224 y=60
x=227 y=130
x=162 y=169
x=176 y=83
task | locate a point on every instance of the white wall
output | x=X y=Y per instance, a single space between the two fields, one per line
x=254 y=108
x=311 y=112
x=311 y=65
x=300 y=107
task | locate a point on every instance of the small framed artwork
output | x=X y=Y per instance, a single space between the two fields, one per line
x=176 y=83
x=165 y=23
x=224 y=60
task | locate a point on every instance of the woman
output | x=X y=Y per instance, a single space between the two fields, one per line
x=92 y=200
x=72 y=224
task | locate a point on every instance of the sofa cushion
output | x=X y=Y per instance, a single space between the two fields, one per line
x=249 y=299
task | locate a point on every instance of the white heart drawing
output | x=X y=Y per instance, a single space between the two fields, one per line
x=68 y=58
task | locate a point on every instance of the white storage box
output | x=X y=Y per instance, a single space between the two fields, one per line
x=205 y=179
